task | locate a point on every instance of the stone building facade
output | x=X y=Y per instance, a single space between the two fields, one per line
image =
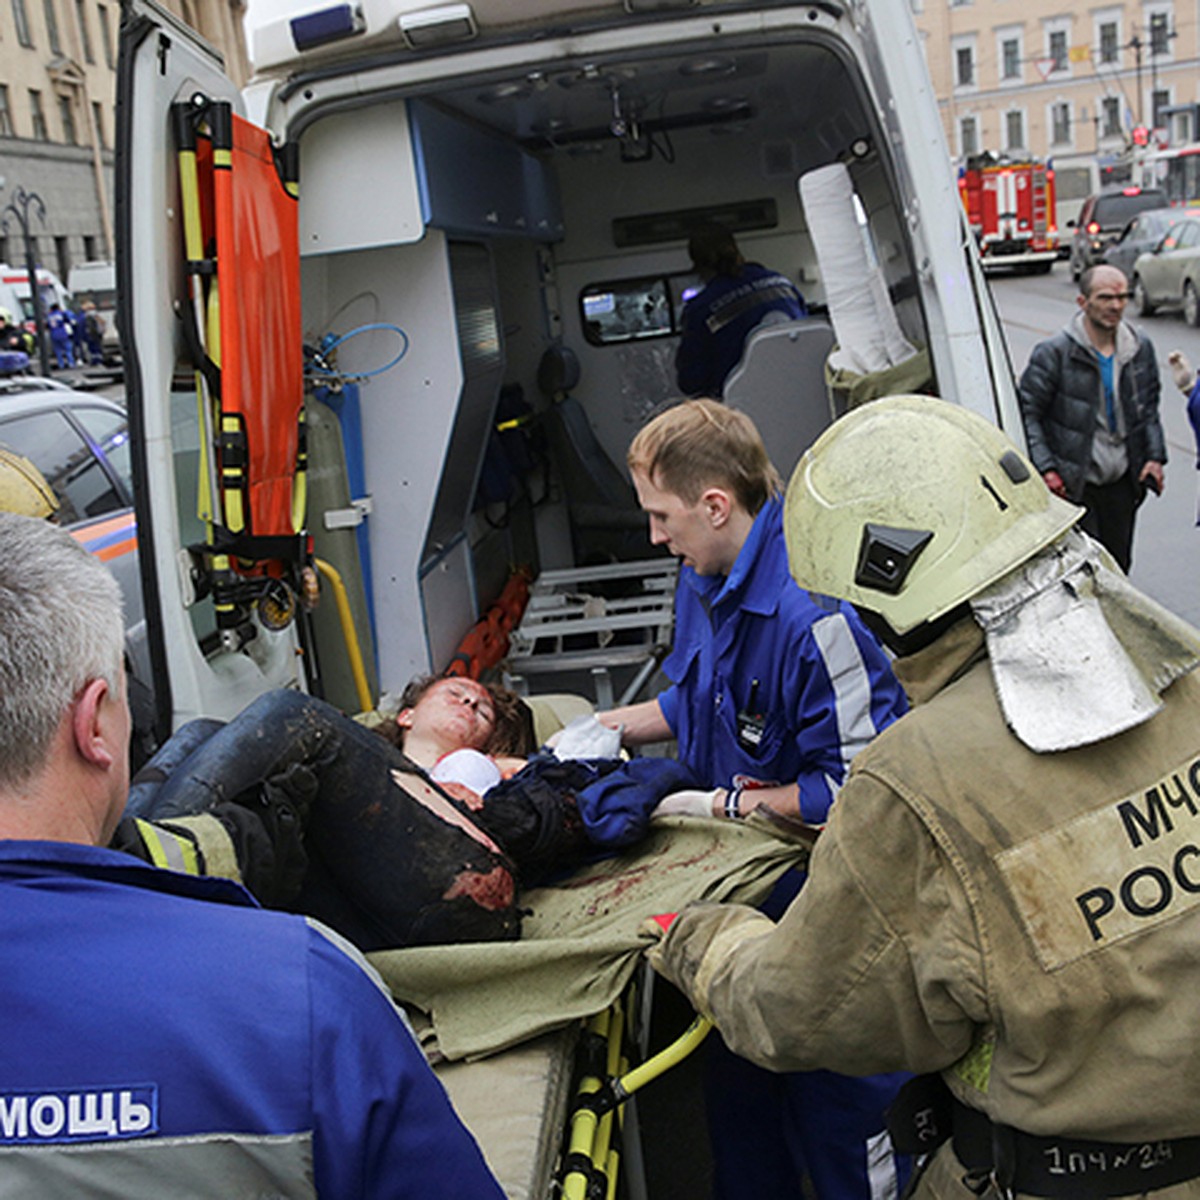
x=57 y=120
x=1046 y=79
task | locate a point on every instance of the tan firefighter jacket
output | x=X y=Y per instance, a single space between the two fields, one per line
x=1029 y=925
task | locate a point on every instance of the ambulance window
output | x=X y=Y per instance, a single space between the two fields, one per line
x=627 y=310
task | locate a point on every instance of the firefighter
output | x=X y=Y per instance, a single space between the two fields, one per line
x=1007 y=894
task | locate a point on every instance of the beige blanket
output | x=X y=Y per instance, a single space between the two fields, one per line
x=580 y=942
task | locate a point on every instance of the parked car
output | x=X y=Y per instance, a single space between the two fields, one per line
x=1103 y=216
x=1169 y=276
x=1144 y=234
x=79 y=445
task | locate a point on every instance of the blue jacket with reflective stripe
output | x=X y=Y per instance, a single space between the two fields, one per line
x=142 y=1006
x=718 y=320
x=754 y=642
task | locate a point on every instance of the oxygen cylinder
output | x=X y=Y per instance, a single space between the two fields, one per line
x=335 y=540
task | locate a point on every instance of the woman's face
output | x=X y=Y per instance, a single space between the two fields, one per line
x=455 y=713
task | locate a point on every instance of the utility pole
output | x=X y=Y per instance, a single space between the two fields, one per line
x=19 y=207
x=1135 y=44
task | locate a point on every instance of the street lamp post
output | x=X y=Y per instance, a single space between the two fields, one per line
x=19 y=207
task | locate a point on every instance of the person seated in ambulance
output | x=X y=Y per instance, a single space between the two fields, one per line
x=737 y=297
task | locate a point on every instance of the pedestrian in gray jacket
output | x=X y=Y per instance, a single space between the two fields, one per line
x=1089 y=402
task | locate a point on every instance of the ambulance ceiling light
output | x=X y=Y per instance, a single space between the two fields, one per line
x=438 y=26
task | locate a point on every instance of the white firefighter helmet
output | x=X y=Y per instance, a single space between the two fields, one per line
x=911 y=505
x=23 y=488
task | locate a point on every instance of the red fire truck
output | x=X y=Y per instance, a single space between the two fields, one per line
x=1010 y=207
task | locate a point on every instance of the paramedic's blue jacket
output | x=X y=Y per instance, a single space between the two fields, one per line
x=718 y=320
x=754 y=643
x=163 y=1037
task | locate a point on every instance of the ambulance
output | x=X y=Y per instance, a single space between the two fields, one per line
x=392 y=314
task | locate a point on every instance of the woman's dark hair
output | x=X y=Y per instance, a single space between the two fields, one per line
x=512 y=734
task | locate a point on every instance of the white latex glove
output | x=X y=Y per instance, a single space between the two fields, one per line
x=585 y=737
x=687 y=804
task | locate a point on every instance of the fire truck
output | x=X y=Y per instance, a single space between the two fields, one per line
x=1010 y=208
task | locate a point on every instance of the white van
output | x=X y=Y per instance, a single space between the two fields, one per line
x=17 y=298
x=491 y=209
x=97 y=282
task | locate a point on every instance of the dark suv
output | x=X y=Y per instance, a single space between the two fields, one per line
x=1102 y=218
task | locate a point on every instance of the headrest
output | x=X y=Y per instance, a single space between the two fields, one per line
x=558 y=371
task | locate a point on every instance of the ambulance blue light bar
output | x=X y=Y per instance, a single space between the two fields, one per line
x=326 y=25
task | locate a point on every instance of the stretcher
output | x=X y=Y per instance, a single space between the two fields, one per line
x=505 y=1022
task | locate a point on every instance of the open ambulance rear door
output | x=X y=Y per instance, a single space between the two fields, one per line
x=208 y=276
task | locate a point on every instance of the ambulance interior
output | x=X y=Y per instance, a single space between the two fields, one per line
x=493 y=266
x=527 y=233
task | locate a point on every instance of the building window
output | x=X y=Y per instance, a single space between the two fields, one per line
x=1160 y=33
x=1109 y=41
x=968 y=136
x=62 y=255
x=66 y=114
x=98 y=121
x=1014 y=129
x=21 y=23
x=1058 y=49
x=106 y=38
x=1060 y=123
x=52 y=27
x=84 y=33
x=1110 y=116
x=37 y=116
x=1160 y=98
x=6 y=125
x=964 y=66
x=1010 y=58
x=89 y=247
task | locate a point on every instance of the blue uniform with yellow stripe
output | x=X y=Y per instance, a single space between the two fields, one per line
x=165 y=1036
x=772 y=687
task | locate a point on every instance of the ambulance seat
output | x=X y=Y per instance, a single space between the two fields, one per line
x=606 y=522
x=780 y=384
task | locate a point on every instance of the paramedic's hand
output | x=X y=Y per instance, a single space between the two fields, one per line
x=1054 y=483
x=689 y=804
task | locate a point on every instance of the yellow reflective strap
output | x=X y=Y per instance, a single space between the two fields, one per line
x=171 y=851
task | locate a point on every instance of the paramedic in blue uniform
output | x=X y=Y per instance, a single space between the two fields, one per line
x=162 y=1034
x=773 y=693
x=737 y=296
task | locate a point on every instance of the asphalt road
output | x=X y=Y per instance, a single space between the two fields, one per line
x=1166 y=551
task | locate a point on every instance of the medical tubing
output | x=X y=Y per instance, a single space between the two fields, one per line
x=330 y=343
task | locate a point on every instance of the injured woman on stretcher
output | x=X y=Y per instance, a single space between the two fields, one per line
x=447 y=825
